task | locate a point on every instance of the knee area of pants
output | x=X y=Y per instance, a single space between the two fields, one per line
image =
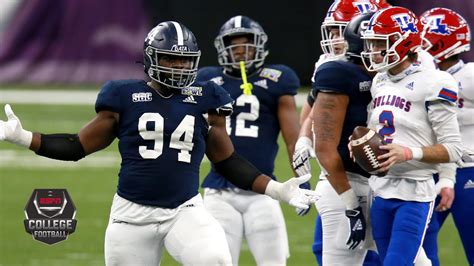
x=213 y=257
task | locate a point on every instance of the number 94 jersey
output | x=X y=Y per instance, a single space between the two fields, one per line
x=162 y=140
x=399 y=112
x=253 y=126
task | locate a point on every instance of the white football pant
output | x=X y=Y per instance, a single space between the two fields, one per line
x=257 y=217
x=336 y=227
x=137 y=234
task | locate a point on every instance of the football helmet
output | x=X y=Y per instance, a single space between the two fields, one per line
x=391 y=35
x=171 y=39
x=445 y=33
x=337 y=17
x=353 y=33
x=241 y=26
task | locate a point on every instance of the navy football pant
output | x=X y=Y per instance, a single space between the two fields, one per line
x=463 y=216
x=371 y=259
x=398 y=228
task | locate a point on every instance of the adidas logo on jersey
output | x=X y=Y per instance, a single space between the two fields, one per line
x=189 y=99
x=469 y=184
x=141 y=97
x=410 y=85
x=262 y=83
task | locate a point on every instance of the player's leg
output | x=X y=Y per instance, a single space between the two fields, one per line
x=430 y=243
x=409 y=227
x=228 y=217
x=133 y=241
x=335 y=228
x=196 y=238
x=463 y=209
x=265 y=230
x=381 y=215
x=318 y=240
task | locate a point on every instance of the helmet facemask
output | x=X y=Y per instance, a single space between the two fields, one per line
x=376 y=45
x=255 y=46
x=332 y=39
x=172 y=77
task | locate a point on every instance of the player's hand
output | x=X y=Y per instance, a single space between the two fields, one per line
x=301 y=157
x=290 y=192
x=12 y=131
x=300 y=211
x=349 y=147
x=357 y=227
x=445 y=189
x=396 y=154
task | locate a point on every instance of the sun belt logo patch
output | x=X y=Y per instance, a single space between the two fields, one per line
x=436 y=26
x=403 y=21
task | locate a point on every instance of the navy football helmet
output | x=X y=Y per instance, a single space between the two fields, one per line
x=171 y=39
x=353 y=34
x=241 y=26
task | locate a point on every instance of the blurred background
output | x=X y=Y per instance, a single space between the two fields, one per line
x=89 y=41
x=54 y=54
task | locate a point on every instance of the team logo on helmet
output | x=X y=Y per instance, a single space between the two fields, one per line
x=437 y=26
x=179 y=48
x=364 y=7
x=403 y=21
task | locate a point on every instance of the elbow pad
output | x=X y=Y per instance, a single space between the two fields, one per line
x=238 y=171
x=64 y=147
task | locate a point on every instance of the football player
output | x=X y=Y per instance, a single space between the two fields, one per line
x=334 y=47
x=253 y=127
x=447 y=35
x=342 y=90
x=417 y=117
x=164 y=127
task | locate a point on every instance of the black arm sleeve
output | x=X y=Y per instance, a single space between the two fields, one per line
x=64 y=147
x=238 y=171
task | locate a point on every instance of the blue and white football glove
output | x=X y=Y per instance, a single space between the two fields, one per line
x=302 y=156
x=300 y=211
x=357 y=227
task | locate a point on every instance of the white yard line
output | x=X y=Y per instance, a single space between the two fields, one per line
x=70 y=97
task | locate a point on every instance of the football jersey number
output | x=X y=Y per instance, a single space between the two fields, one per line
x=386 y=119
x=240 y=129
x=186 y=127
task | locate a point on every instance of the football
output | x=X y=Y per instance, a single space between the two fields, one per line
x=365 y=149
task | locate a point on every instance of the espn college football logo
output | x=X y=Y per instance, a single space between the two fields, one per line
x=50 y=215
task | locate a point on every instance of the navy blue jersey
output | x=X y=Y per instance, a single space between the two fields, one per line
x=350 y=79
x=161 y=140
x=253 y=126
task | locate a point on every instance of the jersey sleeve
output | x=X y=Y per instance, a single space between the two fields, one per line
x=220 y=99
x=444 y=89
x=332 y=77
x=203 y=74
x=108 y=98
x=290 y=82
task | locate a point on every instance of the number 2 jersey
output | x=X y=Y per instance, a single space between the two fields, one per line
x=253 y=126
x=414 y=109
x=162 y=140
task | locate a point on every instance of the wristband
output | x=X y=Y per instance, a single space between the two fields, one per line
x=350 y=199
x=416 y=153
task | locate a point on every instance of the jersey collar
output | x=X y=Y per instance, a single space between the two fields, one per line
x=456 y=67
x=413 y=68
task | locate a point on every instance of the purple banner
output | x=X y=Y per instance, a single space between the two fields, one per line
x=70 y=41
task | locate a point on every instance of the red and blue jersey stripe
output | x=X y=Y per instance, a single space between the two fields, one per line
x=448 y=95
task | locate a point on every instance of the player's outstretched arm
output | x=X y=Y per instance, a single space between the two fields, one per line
x=243 y=174
x=96 y=135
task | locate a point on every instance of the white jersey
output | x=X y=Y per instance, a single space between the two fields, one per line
x=399 y=113
x=464 y=74
x=426 y=60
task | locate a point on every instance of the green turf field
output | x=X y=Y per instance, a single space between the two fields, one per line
x=91 y=184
